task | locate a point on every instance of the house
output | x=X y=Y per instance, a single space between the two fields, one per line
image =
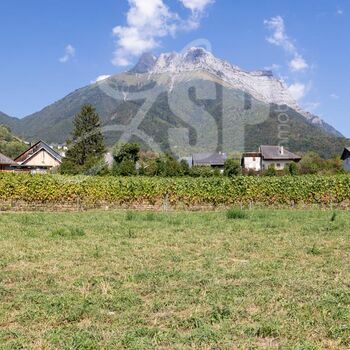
x=276 y=156
x=7 y=164
x=251 y=161
x=39 y=158
x=214 y=160
x=346 y=158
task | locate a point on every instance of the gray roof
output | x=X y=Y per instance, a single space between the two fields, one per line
x=213 y=159
x=6 y=160
x=276 y=153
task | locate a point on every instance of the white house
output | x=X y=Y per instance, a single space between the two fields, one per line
x=276 y=156
x=346 y=158
x=251 y=161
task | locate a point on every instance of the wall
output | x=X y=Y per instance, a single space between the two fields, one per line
x=252 y=163
x=43 y=159
x=282 y=164
x=347 y=164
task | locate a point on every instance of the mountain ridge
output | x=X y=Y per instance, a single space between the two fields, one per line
x=119 y=98
x=270 y=89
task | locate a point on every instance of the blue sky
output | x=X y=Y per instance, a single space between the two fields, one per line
x=52 y=47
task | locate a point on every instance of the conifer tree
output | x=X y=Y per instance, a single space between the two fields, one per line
x=86 y=148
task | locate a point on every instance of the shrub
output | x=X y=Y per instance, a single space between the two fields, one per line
x=185 y=168
x=293 y=169
x=202 y=171
x=125 y=168
x=271 y=171
x=232 y=167
x=127 y=151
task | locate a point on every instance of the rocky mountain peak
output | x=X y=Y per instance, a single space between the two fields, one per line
x=145 y=63
x=260 y=84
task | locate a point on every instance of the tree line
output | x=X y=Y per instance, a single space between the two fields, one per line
x=86 y=155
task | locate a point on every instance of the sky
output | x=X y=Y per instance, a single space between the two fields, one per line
x=50 y=48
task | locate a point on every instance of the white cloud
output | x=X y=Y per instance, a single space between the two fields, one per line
x=147 y=22
x=280 y=38
x=298 y=64
x=298 y=90
x=100 y=78
x=334 y=96
x=196 y=5
x=69 y=53
x=340 y=12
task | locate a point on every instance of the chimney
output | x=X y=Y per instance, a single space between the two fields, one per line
x=282 y=150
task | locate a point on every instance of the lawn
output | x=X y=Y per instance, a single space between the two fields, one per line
x=260 y=279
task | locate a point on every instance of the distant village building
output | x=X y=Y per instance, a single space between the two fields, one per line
x=276 y=156
x=39 y=158
x=346 y=158
x=60 y=148
x=213 y=160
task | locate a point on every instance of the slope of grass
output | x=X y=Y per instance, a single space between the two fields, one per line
x=135 y=280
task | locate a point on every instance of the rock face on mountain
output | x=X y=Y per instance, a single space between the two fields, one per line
x=262 y=85
x=188 y=102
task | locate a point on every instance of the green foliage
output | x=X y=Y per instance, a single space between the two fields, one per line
x=86 y=148
x=312 y=189
x=312 y=163
x=163 y=166
x=271 y=171
x=10 y=146
x=125 y=168
x=293 y=169
x=204 y=171
x=127 y=151
x=168 y=166
x=232 y=167
x=185 y=168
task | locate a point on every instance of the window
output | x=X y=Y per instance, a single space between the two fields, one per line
x=254 y=159
x=278 y=165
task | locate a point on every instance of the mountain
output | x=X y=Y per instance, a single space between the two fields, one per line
x=188 y=102
x=11 y=122
x=262 y=85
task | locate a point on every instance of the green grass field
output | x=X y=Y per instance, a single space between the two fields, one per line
x=135 y=280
